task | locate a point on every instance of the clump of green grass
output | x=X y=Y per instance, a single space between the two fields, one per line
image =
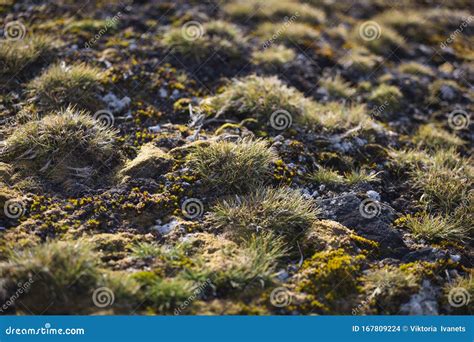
x=388 y=40
x=63 y=276
x=267 y=99
x=328 y=176
x=294 y=33
x=360 y=176
x=146 y=250
x=414 y=68
x=253 y=262
x=337 y=116
x=258 y=97
x=388 y=96
x=15 y=55
x=274 y=10
x=282 y=211
x=445 y=181
x=337 y=87
x=360 y=60
x=216 y=36
x=435 y=137
x=67 y=148
x=60 y=85
x=228 y=167
x=273 y=56
x=436 y=228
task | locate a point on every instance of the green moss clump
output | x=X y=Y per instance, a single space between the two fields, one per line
x=59 y=86
x=282 y=211
x=327 y=283
x=228 y=167
x=151 y=162
x=414 y=68
x=68 y=148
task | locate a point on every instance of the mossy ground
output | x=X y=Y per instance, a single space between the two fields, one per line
x=200 y=159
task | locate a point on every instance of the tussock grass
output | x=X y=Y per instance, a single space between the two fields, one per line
x=16 y=55
x=436 y=228
x=63 y=276
x=228 y=167
x=66 y=147
x=435 y=137
x=445 y=181
x=360 y=60
x=216 y=36
x=282 y=210
x=60 y=86
x=414 y=68
x=275 y=55
x=273 y=10
x=388 y=96
x=337 y=87
x=287 y=34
